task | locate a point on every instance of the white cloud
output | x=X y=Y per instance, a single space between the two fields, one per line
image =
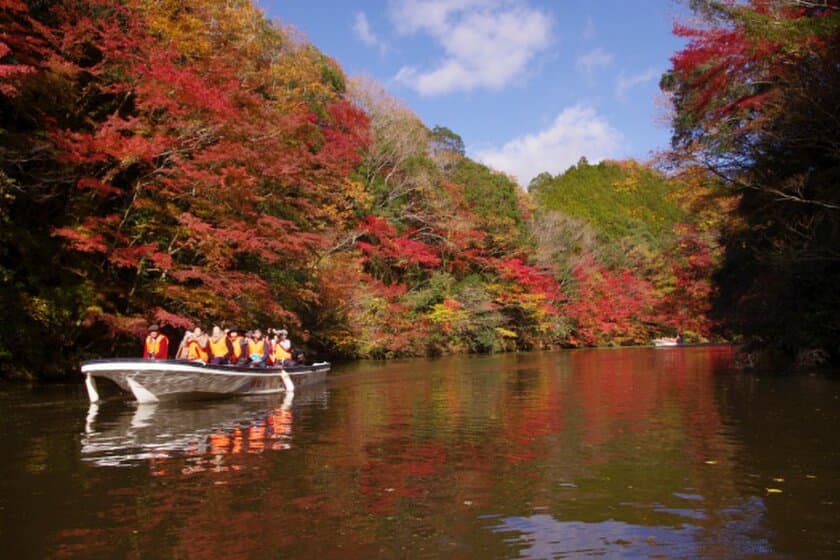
x=486 y=43
x=577 y=131
x=624 y=82
x=362 y=30
x=593 y=60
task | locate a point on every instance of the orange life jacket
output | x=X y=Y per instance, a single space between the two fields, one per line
x=236 y=342
x=281 y=354
x=156 y=347
x=256 y=347
x=197 y=352
x=219 y=348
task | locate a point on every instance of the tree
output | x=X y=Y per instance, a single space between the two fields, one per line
x=447 y=148
x=183 y=187
x=755 y=95
x=610 y=306
x=399 y=144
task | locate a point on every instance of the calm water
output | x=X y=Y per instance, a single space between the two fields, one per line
x=635 y=453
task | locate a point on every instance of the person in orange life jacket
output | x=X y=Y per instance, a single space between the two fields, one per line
x=257 y=349
x=197 y=346
x=220 y=347
x=238 y=352
x=157 y=345
x=283 y=349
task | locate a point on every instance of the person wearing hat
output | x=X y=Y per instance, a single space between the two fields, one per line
x=283 y=348
x=157 y=345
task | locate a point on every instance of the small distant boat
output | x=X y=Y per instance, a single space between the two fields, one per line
x=667 y=341
x=152 y=381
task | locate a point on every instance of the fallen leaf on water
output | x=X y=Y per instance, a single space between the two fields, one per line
x=778 y=479
x=711 y=462
x=773 y=491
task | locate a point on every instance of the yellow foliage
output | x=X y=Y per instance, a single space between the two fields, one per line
x=448 y=314
x=629 y=184
x=267 y=58
x=506 y=333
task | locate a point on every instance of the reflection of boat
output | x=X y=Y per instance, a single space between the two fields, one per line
x=121 y=436
x=155 y=380
x=667 y=341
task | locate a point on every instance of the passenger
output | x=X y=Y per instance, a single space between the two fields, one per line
x=197 y=346
x=257 y=349
x=183 y=352
x=238 y=355
x=298 y=357
x=157 y=345
x=271 y=341
x=283 y=349
x=220 y=347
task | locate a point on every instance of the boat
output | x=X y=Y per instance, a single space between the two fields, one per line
x=667 y=341
x=153 y=381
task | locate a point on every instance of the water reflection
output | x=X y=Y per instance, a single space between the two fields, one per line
x=611 y=453
x=207 y=432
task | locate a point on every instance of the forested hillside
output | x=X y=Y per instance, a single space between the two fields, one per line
x=620 y=199
x=635 y=249
x=193 y=163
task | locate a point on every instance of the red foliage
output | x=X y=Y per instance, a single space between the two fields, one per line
x=398 y=251
x=164 y=317
x=186 y=174
x=23 y=46
x=346 y=135
x=610 y=305
x=732 y=74
x=530 y=278
x=377 y=226
x=687 y=306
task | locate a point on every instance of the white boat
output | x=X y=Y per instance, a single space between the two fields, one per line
x=152 y=381
x=667 y=341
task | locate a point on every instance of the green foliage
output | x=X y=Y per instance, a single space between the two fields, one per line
x=439 y=286
x=621 y=201
x=492 y=196
x=446 y=141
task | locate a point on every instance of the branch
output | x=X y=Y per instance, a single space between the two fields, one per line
x=782 y=196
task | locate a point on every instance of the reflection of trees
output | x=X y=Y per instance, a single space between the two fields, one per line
x=411 y=459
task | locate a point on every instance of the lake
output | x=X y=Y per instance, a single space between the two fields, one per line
x=625 y=453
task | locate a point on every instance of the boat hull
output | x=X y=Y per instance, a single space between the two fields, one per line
x=160 y=380
x=662 y=342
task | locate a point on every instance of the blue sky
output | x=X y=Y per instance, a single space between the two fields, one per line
x=530 y=85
